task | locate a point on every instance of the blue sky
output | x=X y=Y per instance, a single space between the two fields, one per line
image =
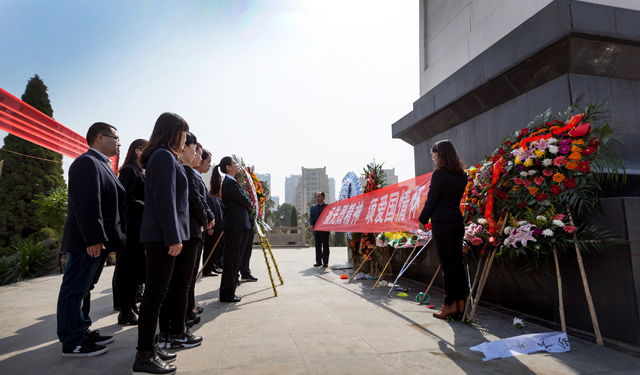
x=284 y=84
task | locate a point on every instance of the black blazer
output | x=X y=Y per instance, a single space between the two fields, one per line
x=236 y=205
x=133 y=181
x=443 y=200
x=199 y=212
x=96 y=210
x=217 y=207
x=166 y=200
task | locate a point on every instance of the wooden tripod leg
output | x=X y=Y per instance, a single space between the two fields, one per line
x=362 y=264
x=429 y=287
x=209 y=257
x=275 y=265
x=560 y=299
x=592 y=310
x=266 y=260
x=473 y=287
x=384 y=269
x=483 y=280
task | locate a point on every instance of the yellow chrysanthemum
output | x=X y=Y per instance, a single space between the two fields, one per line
x=539 y=153
x=528 y=163
x=518 y=161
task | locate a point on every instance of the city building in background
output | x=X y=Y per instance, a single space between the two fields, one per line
x=289 y=187
x=392 y=179
x=312 y=181
x=276 y=202
x=487 y=69
x=332 y=189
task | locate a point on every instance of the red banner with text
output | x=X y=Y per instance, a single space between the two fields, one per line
x=24 y=121
x=390 y=209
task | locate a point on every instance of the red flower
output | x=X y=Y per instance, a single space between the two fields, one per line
x=541 y=196
x=477 y=166
x=569 y=183
x=501 y=151
x=508 y=143
x=583 y=166
x=569 y=228
x=556 y=189
x=594 y=142
x=588 y=151
x=527 y=183
x=495 y=158
x=523 y=132
x=521 y=204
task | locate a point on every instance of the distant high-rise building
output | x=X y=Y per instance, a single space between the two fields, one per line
x=276 y=201
x=265 y=177
x=312 y=181
x=289 y=186
x=392 y=179
x=332 y=189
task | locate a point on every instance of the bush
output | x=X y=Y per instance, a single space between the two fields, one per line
x=44 y=234
x=7 y=271
x=31 y=258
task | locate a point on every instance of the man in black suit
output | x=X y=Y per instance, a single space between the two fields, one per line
x=95 y=225
x=237 y=229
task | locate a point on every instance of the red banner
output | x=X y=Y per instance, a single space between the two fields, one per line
x=390 y=209
x=24 y=121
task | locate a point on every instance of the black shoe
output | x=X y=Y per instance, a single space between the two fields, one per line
x=185 y=340
x=325 y=265
x=199 y=310
x=150 y=363
x=189 y=323
x=232 y=299
x=87 y=349
x=217 y=270
x=128 y=318
x=196 y=320
x=317 y=264
x=238 y=283
x=209 y=274
x=166 y=356
x=135 y=309
x=116 y=308
x=249 y=278
x=98 y=339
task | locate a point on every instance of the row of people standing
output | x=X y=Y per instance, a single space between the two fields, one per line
x=153 y=216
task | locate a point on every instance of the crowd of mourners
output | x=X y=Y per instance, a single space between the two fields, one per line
x=160 y=219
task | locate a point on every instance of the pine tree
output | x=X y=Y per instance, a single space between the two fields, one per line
x=23 y=177
x=294 y=219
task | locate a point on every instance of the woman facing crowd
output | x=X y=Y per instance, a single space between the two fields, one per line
x=443 y=209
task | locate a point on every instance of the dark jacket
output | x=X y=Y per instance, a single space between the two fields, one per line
x=236 y=206
x=199 y=212
x=133 y=181
x=443 y=199
x=217 y=207
x=166 y=200
x=315 y=212
x=96 y=210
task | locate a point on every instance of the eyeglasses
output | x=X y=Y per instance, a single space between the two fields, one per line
x=112 y=136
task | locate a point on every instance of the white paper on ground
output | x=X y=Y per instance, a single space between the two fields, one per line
x=361 y=275
x=552 y=342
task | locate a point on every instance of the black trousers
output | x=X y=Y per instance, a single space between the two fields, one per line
x=191 y=300
x=234 y=244
x=161 y=268
x=246 y=255
x=322 y=247
x=448 y=240
x=130 y=269
x=209 y=241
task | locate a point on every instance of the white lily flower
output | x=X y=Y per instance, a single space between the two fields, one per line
x=547 y=233
x=558 y=223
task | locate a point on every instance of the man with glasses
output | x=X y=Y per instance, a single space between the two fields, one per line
x=95 y=225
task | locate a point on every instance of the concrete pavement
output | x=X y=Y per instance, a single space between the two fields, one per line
x=318 y=324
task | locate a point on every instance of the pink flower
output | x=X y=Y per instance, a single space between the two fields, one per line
x=547 y=172
x=476 y=241
x=559 y=161
x=538 y=180
x=569 y=228
x=527 y=183
x=518 y=181
x=558 y=217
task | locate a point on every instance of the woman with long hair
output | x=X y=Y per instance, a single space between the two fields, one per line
x=171 y=330
x=236 y=224
x=130 y=263
x=443 y=209
x=165 y=225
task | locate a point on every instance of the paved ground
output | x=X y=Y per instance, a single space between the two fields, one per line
x=318 y=324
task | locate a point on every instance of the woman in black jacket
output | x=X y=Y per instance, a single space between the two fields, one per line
x=443 y=209
x=237 y=226
x=130 y=265
x=165 y=224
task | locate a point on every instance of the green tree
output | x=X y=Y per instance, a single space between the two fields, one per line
x=24 y=177
x=294 y=219
x=283 y=215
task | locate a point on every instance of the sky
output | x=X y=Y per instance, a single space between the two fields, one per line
x=283 y=84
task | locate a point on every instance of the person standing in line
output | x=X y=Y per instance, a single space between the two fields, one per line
x=165 y=225
x=321 y=238
x=201 y=189
x=130 y=262
x=443 y=209
x=236 y=224
x=95 y=225
x=245 y=271
x=213 y=266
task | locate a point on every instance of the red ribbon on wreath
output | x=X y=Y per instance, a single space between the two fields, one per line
x=488 y=213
